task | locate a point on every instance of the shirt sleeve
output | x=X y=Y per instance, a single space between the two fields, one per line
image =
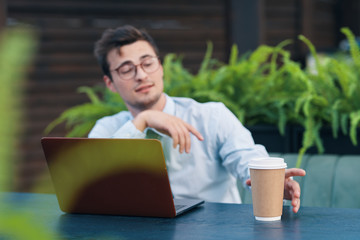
x=105 y=128
x=236 y=145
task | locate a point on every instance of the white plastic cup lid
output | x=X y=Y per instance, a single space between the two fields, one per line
x=267 y=163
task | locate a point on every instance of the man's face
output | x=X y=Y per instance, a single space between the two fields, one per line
x=144 y=89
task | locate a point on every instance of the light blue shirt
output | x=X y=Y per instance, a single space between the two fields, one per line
x=213 y=166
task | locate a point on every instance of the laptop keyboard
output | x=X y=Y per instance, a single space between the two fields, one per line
x=178 y=207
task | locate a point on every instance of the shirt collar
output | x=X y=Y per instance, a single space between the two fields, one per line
x=169 y=105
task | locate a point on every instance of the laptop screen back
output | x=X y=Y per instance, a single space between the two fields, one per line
x=109 y=176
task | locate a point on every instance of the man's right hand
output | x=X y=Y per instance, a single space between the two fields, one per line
x=170 y=125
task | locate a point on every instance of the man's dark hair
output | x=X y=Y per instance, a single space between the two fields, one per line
x=116 y=38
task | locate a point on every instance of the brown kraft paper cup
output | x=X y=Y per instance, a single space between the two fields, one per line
x=267 y=185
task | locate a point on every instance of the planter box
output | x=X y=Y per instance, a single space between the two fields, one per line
x=269 y=136
x=291 y=142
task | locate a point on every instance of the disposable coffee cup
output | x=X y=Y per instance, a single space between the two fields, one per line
x=267 y=186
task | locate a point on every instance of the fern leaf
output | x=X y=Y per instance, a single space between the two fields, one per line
x=354 y=48
x=90 y=93
x=282 y=119
x=205 y=63
x=278 y=49
x=344 y=119
x=233 y=55
x=81 y=130
x=317 y=138
x=82 y=113
x=258 y=58
x=354 y=122
x=313 y=53
x=335 y=121
x=300 y=156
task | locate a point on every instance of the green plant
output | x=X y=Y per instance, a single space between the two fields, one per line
x=80 y=119
x=17 y=46
x=334 y=99
x=264 y=86
x=11 y=46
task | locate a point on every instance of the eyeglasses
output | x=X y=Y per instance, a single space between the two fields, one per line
x=128 y=70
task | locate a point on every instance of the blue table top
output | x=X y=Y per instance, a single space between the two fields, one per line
x=209 y=221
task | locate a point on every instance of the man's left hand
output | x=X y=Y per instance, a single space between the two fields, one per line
x=292 y=188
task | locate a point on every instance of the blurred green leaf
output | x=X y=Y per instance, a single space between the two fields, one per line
x=17 y=47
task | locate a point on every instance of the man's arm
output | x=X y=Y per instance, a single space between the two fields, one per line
x=238 y=147
x=170 y=125
x=116 y=126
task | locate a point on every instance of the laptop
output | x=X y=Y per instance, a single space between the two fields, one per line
x=112 y=176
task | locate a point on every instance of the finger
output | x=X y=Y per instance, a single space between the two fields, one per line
x=248 y=182
x=296 y=193
x=292 y=189
x=174 y=135
x=182 y=132
x=195 y=132
x=292 y=172
x=184 y=136
x=187 y=141
x=292 y=192
x=296 y=205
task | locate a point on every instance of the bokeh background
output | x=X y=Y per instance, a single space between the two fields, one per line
x=68 y=29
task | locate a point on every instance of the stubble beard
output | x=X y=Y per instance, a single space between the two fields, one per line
x=145 y=104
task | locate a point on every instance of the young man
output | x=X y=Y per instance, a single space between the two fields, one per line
x=206 y=148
